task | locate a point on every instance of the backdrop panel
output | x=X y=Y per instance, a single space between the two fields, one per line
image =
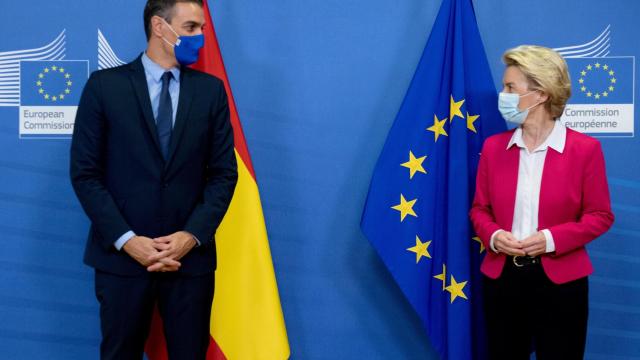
x=317 y=85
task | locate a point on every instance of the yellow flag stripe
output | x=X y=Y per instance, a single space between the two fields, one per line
x=247 y=320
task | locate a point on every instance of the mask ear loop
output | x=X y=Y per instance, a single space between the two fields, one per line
x=529 y=93
x=173 y=31
x=534 y=105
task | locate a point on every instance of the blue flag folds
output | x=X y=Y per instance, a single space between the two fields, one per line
x=416 y=213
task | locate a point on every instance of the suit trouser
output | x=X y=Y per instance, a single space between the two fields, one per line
x=525 y=311
x=126 y=308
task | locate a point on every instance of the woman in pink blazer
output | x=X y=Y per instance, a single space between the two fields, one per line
x=541 y=196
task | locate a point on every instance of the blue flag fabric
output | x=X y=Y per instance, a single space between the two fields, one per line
x=416 y=213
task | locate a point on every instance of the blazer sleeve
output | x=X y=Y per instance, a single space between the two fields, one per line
x=481 y=212
x=87 y=166
x=596 y=216
x=221 y=173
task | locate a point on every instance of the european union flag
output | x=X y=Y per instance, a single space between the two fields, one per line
x=604 y=80
x=52 y=83
x=416 y=214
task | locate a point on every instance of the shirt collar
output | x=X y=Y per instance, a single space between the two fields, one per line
x=155 y=71
x=556 y=139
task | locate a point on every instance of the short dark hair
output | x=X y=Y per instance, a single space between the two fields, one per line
x=162 y=8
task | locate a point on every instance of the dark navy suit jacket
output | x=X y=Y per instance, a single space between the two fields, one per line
x=123 y=182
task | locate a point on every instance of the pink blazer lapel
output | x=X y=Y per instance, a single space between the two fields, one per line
x=555 y=178
x=508 y=183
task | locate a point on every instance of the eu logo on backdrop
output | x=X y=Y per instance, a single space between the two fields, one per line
x=602 y=102
x=49 y=96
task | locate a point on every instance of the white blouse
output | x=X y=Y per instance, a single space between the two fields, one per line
x=525 y=214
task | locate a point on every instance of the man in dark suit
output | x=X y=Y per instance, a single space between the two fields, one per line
x=153 y=165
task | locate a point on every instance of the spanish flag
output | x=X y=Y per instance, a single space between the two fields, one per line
x=246 y=318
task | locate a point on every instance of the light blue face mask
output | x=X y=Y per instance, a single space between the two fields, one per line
x=186 y=48
x=508 y=106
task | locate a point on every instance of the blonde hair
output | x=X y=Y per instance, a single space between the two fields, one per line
x=546 y=71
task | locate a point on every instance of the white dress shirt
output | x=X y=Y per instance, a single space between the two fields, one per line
x=525 y=214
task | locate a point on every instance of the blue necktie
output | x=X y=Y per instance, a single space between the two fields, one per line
x=164 y=121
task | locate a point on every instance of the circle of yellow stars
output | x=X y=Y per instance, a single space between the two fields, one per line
x=592 y=68
x=49 y=71
x=415 y=164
